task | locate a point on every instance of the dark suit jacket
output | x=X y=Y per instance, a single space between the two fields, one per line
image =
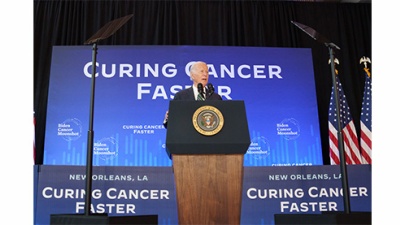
x=187 y=94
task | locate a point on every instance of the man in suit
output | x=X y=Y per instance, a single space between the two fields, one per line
x=199 y=75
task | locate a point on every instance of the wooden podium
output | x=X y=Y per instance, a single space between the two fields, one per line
x=208 y=165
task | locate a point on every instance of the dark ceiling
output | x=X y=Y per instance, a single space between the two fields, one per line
x=339 y=1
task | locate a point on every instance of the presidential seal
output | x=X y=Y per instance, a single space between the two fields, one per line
x=208 y=120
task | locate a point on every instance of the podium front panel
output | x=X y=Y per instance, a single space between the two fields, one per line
x=183 y=138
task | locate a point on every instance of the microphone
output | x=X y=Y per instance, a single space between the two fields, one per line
x=210 y=89
x=200 y=90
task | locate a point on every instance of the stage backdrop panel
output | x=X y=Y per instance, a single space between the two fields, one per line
x=135 y=191
x=134 y=85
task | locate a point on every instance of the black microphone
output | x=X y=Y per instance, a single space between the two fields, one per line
x=200 y=89
x=210 y=89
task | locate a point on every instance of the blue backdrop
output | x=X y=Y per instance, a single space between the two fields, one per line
x=134 y=85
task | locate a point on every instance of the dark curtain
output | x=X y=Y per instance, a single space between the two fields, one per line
x=216 y=23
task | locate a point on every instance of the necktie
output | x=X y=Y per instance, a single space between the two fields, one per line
x=200 y=97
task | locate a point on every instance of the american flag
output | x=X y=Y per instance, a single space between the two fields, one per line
x=349 y=134
x=365 y=121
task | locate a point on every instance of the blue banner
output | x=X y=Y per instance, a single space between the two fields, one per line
x=134 y=85
x=135 y=191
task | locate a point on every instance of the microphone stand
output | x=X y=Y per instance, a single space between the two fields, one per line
x=209 y=90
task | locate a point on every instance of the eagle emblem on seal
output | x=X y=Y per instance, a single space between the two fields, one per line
x=208 y=120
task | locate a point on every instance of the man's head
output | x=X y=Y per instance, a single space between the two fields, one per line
x=199 y=73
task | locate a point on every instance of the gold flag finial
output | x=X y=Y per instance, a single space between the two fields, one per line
x=364 y=60
x=336 y=61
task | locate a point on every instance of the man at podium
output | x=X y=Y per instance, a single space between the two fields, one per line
x=206 y=141
x=201 y=90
